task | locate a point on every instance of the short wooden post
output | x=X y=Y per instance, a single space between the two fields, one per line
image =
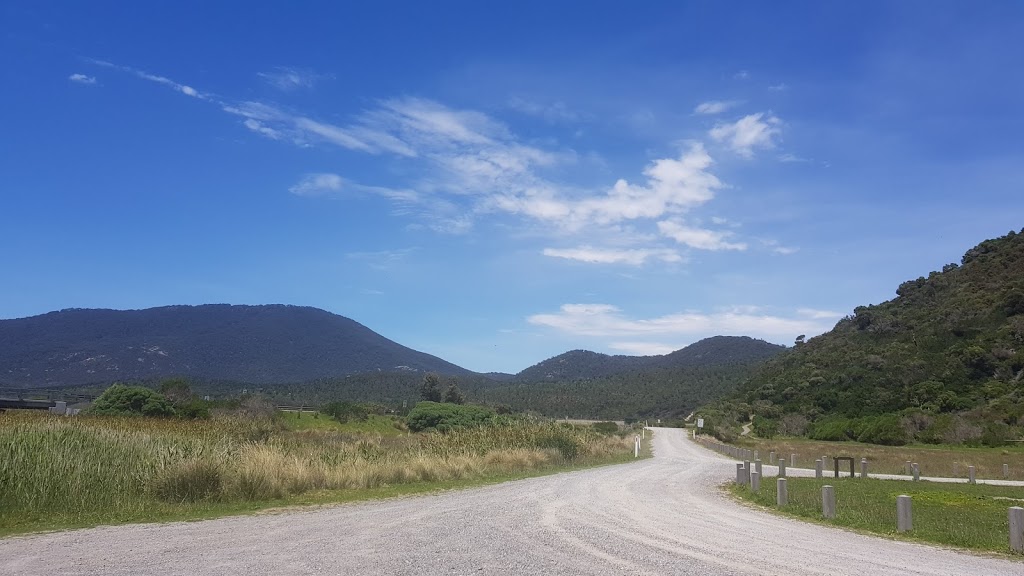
x=956 y=469
x=782 y=468
x=904 y=519
x=1017 y=529
x=818 y=469
x=792 y=460
x=1006 y=470
x=863 y=467
x=771 y=457
x=909 y=468
x=755 y=482
x=828 y=501
x=970 y=474
x=740 y=474
x=756 y=456
x=782 y=494
x=757 y=466
x=916 y=470
x=747 y=469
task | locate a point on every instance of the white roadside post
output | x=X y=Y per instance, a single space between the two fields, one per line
x=782 y=494
x=1017 y=529
x=828 y=501
x=636 y=447
x=863 y=467
x=904 y=521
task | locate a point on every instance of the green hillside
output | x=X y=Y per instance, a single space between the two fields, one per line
x=941 y=362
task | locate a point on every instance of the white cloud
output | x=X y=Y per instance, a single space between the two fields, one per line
x=791 y=158
x=714 y=107
x=780 y=87
x=82 y=79
x=643 y=348
x=747 y=133
x=288 y=79
x=819 y=314
x=317 y=184
x=777 y=248
x=608 y=321
x=699 y=238
x=634 y=257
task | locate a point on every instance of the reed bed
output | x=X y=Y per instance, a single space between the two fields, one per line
x=86 y=470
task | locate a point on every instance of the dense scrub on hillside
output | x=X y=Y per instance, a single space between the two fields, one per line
x=941 y=362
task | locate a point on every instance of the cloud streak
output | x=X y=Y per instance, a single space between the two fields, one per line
x=82 y=79
x=754 y=131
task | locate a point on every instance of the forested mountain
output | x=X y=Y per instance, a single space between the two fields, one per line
x=583 y=364
x=253 y=344
x=943 y=361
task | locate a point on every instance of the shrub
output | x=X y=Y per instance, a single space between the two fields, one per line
x=566 y=445
x=887 y=430
x=605 y=427
x=121 y=400
x=346 y=411
x=444 y=417
x=831 y=430
x=189 y=481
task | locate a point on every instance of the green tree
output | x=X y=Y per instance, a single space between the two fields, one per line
x=430 y=389
x=453 y=395
x=121 y=400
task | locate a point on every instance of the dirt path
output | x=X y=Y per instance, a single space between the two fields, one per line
x=658 y=516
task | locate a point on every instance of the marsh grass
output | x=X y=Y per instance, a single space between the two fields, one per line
x=972 y=517
x=63 y=472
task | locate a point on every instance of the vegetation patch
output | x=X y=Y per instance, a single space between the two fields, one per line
x=967 y=516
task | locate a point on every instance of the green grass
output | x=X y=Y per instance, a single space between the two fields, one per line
x=965 y=516
x=934 y=460
x=63 y=473
x=374 y=423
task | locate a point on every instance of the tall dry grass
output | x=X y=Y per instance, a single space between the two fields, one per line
x=92 y=468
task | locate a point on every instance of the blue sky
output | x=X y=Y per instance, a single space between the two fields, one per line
x=499 y=183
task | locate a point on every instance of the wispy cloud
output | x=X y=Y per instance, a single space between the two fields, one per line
x=287 y=79
x=747 y=133
x=778 y=248
x=741 y=75
x=634 y=257
x=609 y=321
x=780 y=87
x=551 y=112
x=318 y=184
x=82 y=79
x=714 y=107
x=699 y=238
x=382 y=259
x=183 y=88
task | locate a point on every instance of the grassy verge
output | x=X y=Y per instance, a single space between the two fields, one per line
x=965 y=516
x=374 y=424
x=63 y=473
x=942 y=461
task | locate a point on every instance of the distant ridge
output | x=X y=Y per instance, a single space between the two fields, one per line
x=584 y=364
x=258 y=344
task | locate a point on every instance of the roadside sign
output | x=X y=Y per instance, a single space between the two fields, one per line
x=700 y=422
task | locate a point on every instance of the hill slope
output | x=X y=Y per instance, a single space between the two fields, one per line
x=584 y=384
x=256 y=344
x=949 y=344
x=584 y=364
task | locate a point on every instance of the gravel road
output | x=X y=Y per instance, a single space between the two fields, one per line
x=659 y=516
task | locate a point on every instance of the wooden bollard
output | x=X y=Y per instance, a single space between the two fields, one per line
x=740 y=474
x=1006 y=470
x=818 y=469
x=909 y=468
x=782 y=468
x=792 y=460
x=1017 y=529
x=756 y=456
x=747 y=470
x=781 y=493
x=755 y=482
x=956 y=469
x=904 y=518
x=970 y=474
x=757 y=466
x=828 y=501
x=771 y=457
x=863 y=467
x=916 y=471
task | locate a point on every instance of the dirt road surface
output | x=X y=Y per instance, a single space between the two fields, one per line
x=659 y=516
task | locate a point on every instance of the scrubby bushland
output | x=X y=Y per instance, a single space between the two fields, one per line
x=444 y=417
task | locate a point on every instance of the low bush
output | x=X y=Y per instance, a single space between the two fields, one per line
x=445 y=417
x=121 y=400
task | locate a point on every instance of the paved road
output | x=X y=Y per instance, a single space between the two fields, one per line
x=658 y=516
